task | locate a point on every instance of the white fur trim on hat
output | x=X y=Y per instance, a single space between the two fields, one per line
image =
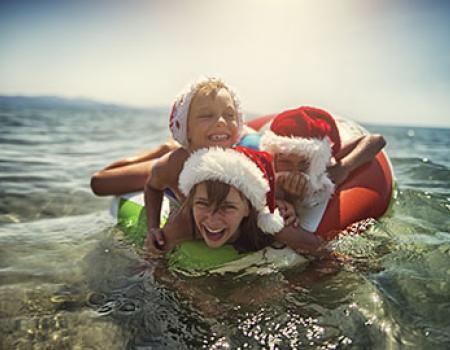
x=270 y=223
x=180 y=112
x=235 y=169
x=319 y=153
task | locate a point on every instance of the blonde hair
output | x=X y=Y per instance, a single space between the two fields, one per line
x=182 y=105
x=210 y=88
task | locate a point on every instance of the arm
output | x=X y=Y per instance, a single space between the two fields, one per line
x=153 y=197
x=121 y=180
x=176 y=230
x=301 y=241
x=154 y=153
x=354 y=154
x=127 y=175
x=164 y=174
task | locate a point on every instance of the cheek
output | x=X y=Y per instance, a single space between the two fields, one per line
x=198 y=216
x=281 y=166
x=233 y=126
x=234 y=220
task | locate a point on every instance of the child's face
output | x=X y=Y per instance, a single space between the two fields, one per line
x=219 y=226
x=212 y=120
x=290 y=162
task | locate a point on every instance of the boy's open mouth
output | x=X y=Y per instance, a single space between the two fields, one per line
x=214 y=234
x=218 y=137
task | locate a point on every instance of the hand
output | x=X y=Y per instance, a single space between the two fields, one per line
x=337 y=172
x=295 y=184
x=340 y=257
x=287 y=211
x=176 y=230
x=154 y=242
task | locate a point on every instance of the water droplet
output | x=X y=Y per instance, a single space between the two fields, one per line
x=411 y=133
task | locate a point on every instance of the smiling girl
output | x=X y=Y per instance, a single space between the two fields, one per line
x=231 y=200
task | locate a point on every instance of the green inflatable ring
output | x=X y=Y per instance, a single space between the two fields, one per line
x=195 y=258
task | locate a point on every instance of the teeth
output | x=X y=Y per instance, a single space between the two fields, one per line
x=214 y=231
x=218 y=137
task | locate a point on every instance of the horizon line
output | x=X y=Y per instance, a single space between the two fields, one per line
x=137 y=106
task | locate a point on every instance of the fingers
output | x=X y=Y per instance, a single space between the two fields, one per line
x=151 y=249
x=341 y=257
x=281 y=179
x=294 y=183
x=154 y=242
x=289 y=220
x=158 y=236
x=287 y=211
x=281 y=205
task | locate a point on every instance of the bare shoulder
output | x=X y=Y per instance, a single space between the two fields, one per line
x=167 y=169
x=171 y=160
x=175 y=161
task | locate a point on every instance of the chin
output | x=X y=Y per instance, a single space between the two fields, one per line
x=214 y=244
x=223 y=144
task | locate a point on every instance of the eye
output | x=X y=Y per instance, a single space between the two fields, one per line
x=228 y=207
x=205 y=116
x=201 y=204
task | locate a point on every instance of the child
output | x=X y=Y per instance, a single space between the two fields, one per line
x=206 y=114
x=130 y=174
x=231 y=200
x=310 y=160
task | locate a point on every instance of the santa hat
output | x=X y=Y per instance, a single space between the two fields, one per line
x=251 y=172
x=310 y=132
x=180 y=108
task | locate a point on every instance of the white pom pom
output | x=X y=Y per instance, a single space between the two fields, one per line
x=270 y=223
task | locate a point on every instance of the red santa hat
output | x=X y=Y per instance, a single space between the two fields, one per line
x=180 y=108
x=310 y=132
x=251 y=172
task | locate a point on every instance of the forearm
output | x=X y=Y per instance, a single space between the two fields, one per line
x=121 y=180
x=143 y=157
x=300 y=240
x=354 y=155
x=364 y=151
x=177 y=230
x=153 y=201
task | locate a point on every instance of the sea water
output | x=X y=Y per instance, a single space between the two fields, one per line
x=70 y=280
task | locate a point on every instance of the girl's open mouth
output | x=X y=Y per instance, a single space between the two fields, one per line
x=214 y=234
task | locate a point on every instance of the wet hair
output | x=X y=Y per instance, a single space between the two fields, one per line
x=251 y=237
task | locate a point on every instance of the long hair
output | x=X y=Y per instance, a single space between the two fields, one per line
x=251 y=237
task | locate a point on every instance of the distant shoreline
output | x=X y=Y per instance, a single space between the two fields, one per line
x=53 y=101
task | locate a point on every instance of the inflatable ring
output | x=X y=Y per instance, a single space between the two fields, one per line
x=366 y=194
x=195 y=258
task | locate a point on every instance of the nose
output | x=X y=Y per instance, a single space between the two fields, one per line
x=213 y=216
x=221 y=120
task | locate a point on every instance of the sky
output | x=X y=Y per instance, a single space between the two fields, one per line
x=376 y=61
